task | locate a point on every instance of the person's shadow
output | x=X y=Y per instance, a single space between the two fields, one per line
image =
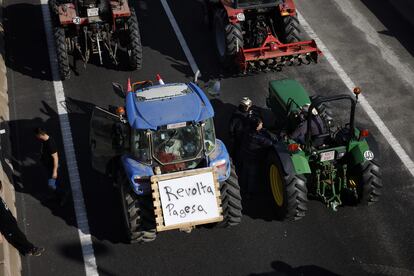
x=29 y=176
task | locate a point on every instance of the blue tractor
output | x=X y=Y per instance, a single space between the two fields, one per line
x=162 y=129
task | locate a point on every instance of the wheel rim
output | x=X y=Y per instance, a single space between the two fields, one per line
x=276 y=184
x=220 y=40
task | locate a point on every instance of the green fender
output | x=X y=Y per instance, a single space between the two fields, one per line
x=356 y=151
x=296 y=163
x=301 y=164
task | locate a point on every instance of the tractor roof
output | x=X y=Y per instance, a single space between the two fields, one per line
x=289 y=92
x=161 y=105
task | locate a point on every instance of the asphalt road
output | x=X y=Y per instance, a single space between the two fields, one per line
x=375 y=240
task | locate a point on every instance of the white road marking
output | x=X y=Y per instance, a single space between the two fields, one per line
x=180 y=38
x=78 y=200
x=389 y=137
x=358 y=20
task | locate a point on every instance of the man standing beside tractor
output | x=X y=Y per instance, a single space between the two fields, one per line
x=239 y=122
x=255 y=143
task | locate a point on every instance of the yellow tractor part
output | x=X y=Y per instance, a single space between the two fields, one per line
x=276 y=184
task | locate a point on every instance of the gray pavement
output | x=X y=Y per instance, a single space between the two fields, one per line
x=353 y=241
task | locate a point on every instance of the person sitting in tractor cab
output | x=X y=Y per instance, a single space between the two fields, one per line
x=317 y=125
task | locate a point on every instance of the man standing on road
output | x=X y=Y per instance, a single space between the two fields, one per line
x=11 y=231
x=254 y=147
x=49 y=157
x=239 y=122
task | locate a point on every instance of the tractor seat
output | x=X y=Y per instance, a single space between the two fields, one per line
x=321 y=140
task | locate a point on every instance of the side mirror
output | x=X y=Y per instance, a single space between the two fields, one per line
x=213 y=88
x=118 y=89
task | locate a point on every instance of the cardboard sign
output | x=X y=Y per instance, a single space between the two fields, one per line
x=189 y=200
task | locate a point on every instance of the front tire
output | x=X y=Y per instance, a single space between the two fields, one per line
x=228 y=37
x=289 y=190
x=138 y=213
x=230 y=200
x=134 y=47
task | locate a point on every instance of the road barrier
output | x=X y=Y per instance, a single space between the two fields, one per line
x=10 y=263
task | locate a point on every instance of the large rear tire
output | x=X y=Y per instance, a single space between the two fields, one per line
x=60 y=42
x=134 y=47
x=290 y=31
x=289 y=190
x=228 y=37
x=138 y=213
x=230 y=200
x=370 y=182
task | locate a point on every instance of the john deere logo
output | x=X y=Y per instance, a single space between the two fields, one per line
x=368 y=155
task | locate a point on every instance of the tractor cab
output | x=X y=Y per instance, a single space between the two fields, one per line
x=159 y=128
x=338 y=133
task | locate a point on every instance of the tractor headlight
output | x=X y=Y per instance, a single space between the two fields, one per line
x=221 y=167
x=340 y=155
x=140 y=183
x=240 y=16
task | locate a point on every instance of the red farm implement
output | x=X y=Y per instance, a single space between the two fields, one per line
x=259 y=35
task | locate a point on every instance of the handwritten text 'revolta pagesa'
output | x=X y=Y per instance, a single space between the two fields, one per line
x=188 y=199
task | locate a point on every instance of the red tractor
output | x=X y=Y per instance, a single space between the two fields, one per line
x=259 y=35
x=95 y=27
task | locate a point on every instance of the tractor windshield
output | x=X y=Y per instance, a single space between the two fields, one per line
x=209 y=136
x=177 y=144
x=140 y=145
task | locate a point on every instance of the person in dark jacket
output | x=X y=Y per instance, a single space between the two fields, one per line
x=10 y=230
x=317 y=125
x=254 y=147
x=239 y=122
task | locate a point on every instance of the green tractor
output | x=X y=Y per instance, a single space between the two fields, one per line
x=336 y=167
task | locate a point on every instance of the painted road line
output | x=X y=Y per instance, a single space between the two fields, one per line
x=74 y=180
x=373 y=37
x=180 y=38
x=389 y=137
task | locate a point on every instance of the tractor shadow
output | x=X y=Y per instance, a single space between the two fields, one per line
x=283 y=269
x=26 y=50
x=396 y=25
x=25 y=41
x=101 y=200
